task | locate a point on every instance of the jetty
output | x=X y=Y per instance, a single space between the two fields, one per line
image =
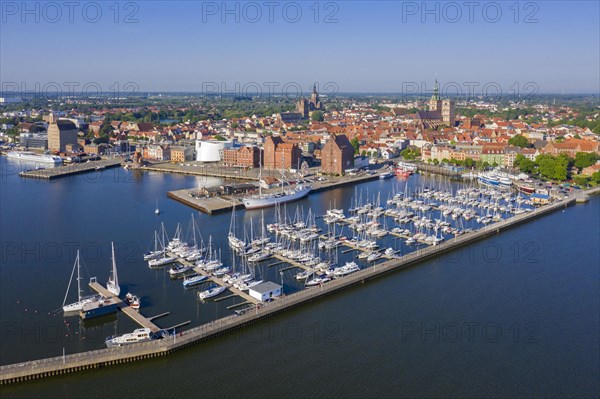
x=259 y=311
x=71 y=169
x=132 y=313
x=218 y=204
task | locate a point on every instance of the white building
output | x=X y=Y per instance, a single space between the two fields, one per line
x=265 y=291
x=211 y=150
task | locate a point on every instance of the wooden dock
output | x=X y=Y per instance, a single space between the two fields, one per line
x=93 y=359
x=132 y=313
x=72 y=169
x=218 y=281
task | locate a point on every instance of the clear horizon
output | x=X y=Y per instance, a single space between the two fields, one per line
x=346 y=47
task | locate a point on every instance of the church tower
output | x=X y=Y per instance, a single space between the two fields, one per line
x=448 y=112
x=435 y=104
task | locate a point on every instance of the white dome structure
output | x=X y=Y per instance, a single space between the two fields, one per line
x=211 y=150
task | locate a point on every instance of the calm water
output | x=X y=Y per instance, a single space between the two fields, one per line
x=512 y=316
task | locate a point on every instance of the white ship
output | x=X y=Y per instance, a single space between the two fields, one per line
x=139 y=335
x=267 y=200
x=27 y=156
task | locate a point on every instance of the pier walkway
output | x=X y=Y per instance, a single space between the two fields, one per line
x=93 y=359
x=218 y=281
x=71 y=169
x=132 y=313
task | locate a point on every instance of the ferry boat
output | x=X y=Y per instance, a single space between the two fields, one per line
x=28 y=156
x=266 y=200
x=489 y=179
x=402 y=172
x=409 y=167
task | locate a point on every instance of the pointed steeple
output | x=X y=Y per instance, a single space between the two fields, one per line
x=436 y=91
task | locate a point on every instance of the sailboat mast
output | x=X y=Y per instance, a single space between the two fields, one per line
x=114 y=265
x=78 y=278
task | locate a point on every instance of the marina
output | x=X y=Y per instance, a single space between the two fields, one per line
x=259 y=311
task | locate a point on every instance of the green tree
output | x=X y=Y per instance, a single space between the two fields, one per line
x=585 y=159
x=356 y=145
x=218 y=137
x=596 y=177
x=317 y=116
x=582 y=181
x=524 y=164
x=519 y=141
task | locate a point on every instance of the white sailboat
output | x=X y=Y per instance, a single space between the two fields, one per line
x=81 y=300
x=113 y=281
x=157 y=211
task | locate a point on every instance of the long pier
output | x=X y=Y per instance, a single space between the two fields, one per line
x=71 y=169
x=104 y=357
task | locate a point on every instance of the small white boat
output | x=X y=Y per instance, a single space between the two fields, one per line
x=211 y=292
x=195 y=279
x=133 y=301
x=157 y=211
x=178 y=270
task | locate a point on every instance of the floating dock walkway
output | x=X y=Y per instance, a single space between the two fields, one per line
x=109 y=356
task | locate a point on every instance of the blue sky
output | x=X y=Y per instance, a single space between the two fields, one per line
x=366 y=46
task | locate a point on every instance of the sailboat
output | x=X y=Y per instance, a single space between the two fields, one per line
x=81 y=300
x=113 y=282
x=157 y=211
x=266 y=200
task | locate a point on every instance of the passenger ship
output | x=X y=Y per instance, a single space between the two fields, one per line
x=266 y=200
x=27 y=156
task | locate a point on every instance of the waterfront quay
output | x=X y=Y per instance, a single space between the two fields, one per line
x=71 y=169
x=203 y=169
x=224 y=203
x=116 y=355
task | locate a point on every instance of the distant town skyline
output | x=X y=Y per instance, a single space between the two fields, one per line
x=357 y=47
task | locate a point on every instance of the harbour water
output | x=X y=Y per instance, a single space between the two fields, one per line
x=516 y=315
